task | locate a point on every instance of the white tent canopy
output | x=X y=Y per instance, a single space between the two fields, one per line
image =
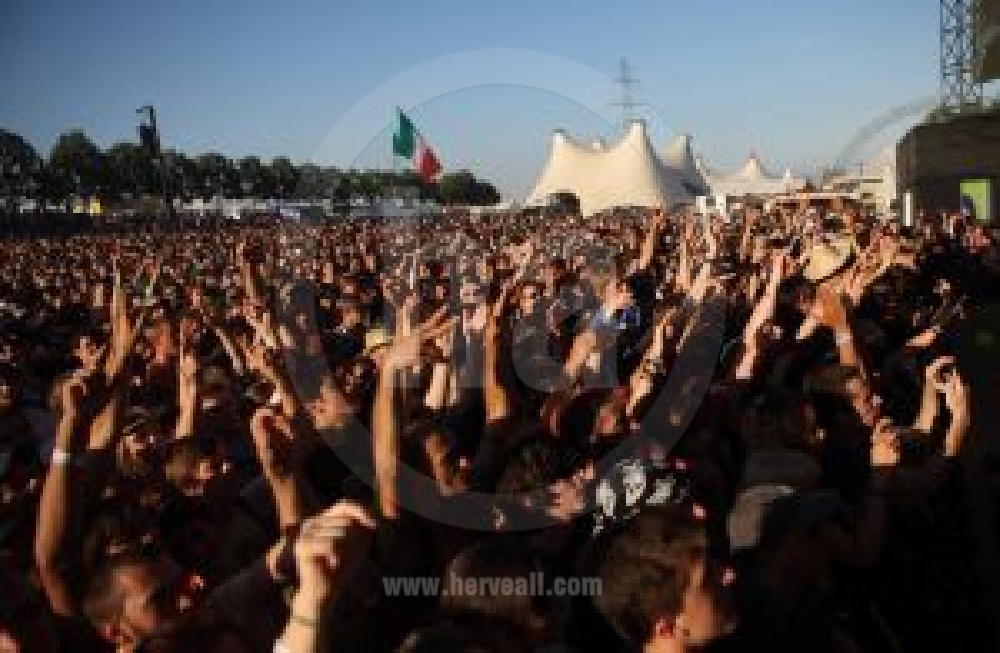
x=752 y=179
x=679 y=157
x=706 y=173
x=627 y=173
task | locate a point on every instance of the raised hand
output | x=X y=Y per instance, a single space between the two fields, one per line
x=477 y=322
x=956 y=394
x=276 y=443
x=125 y=330
x=74 y=393
x=932 y=373
x=829 y=308
x=502 y=303
x=408 y=350
x=329 y=547
x=884 y=450
x=90 y=355
x=188 y=360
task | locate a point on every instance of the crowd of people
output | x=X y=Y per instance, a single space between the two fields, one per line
x=746 y=428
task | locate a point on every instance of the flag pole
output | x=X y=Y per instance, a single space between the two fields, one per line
x=396 y=167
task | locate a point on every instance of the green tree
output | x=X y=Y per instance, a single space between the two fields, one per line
x=20 y=166
x=309 y=183
x=462 y=187
x=17 y=153
x=77 y=164
x=371 y=184
x=285 y=177
x=255 y=178
x=183 y=174
x=130 y=171
x=215 y=175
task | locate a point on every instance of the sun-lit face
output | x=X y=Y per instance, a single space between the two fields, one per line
x=140 y=444
x=707 y=611
x=469 y=294
x=528 y=299
x=867 y=403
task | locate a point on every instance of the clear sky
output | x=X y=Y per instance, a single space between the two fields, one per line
x=790 y=79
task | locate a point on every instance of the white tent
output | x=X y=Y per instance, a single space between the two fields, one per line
x=679 y=157
x=706 y=173
x=627 y=173
x=753 y=179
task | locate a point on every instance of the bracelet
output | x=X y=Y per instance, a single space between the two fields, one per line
x=303 y=621
x=60 y=457
x=654 y=368
x=844 y=337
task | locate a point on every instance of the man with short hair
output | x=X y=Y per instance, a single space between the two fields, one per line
x=660 y=589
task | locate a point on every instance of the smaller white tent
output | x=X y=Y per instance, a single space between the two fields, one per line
x=753 y=179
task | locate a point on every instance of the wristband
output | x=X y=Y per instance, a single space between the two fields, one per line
x=308 y=622
x=60 y=457
x=654 y=368
x=844 y=337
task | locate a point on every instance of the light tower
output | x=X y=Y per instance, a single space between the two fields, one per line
x=959 y=89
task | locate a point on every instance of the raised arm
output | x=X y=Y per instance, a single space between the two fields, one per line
x=929 y=402
x=763 y=313
x=442 y=373
x=746 y=235
x=187 y=385
x=652 y=363
x=649 y=242
x=832 y=311
x=329 y=550
x=959 y=403
x=60 y=501
x=403 y=353
x=495 y=392
x=266 y=361
x=228 y=344
x=281 y=447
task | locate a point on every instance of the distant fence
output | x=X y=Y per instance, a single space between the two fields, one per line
x=25 y=226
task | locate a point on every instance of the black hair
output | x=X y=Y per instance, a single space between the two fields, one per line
x=646 y=569
x=508 y=560
x=465 y=633
x=537 y=463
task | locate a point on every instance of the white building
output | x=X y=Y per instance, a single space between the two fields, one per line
x=873 y=183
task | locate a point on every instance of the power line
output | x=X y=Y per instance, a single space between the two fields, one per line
x=628 y=100
x=959 y=88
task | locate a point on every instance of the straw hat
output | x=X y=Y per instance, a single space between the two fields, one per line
x=828 y=257
x=375 y=338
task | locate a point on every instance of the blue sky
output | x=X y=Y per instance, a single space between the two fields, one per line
x=792 y=80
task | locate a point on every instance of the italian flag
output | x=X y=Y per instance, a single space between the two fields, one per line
x=407 y=143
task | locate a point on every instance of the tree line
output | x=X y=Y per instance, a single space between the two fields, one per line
x=126 y=171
